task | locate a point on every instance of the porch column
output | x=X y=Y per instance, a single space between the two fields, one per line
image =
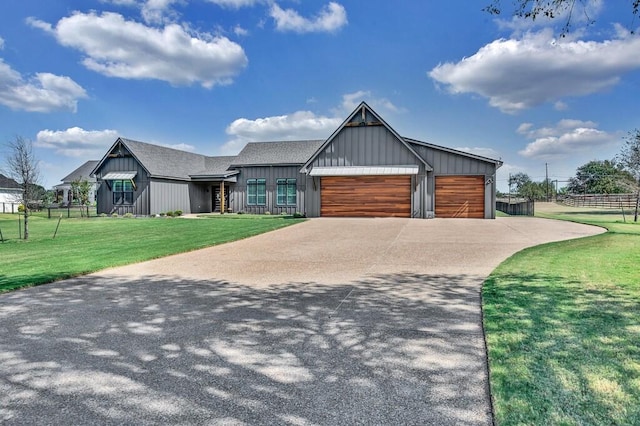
x=222 y=200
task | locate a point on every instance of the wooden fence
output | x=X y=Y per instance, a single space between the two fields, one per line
x=516 y=207
x=606 y=201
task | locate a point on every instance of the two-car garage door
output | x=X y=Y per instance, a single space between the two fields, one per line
x=365 y=196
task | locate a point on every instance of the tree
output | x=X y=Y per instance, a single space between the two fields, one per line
x=22 y=167
x=629 y=157
x=81 y=188
x=600 y=177
x=552 y=9
x=518 y=181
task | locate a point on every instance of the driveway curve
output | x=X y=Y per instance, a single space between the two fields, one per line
x=331 y=321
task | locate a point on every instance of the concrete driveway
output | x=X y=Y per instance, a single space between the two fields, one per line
x=332 y=321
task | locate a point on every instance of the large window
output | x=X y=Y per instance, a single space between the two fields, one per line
x=286 y=192
x=122 y=192
x=256 y=192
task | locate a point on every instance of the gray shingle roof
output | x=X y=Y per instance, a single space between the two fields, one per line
x=215 y=166
x=283 y=152
x=84 y=172
x=8 y=183
x=161 y=161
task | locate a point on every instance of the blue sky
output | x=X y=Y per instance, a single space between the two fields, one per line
x=210 y=75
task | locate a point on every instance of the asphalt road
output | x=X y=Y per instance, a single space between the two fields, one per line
x=329 y=322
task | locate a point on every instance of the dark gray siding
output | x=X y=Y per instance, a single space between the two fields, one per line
x=169 y=195
x=141 y=194
x=366 y=146
x=450 y=163
x=200 y=196
x=238 y=192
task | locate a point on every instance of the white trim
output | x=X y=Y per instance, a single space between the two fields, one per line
x=364 y=170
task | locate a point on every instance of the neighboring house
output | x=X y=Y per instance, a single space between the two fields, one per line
x=63 y=191
x=364 y=168
x=9 y=190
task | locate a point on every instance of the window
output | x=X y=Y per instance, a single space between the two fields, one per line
x=286 y=192
x=256 y=192
x=122 y=192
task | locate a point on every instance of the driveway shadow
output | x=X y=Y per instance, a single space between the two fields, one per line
x=400 y=348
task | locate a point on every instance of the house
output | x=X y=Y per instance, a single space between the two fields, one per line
x=10 y=193
x=64 y=195
x=365 y=168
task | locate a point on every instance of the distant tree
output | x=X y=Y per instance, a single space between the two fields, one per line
x=81 y=188
x=518 y=181
x=600 y=177
x=22 y=167
x=551 y=9
x=629 y=157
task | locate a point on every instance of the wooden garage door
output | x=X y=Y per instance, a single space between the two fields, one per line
x=460 y=196
x=365 y=196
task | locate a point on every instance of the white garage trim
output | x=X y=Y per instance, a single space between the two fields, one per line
x=364 y=171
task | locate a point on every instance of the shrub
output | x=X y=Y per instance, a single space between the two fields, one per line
x=21 y=208
x=298 y=215
x=283 y=213
x=267 y=212
x=240 y=212
x=103 y=215
x=178 y=213
x=128 y=215
x=114 y=214
x=161 y=214
x=170 y=213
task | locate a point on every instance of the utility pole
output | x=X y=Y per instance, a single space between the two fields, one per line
x=546 y=178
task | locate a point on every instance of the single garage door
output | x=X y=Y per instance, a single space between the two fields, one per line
x=460 y=196
x=365 y=196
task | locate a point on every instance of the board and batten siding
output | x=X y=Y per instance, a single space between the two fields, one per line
x=366 y=146
x=238 y=191
x=141 y=194
x=450 y=163
x=169 y=195
x=200 y=195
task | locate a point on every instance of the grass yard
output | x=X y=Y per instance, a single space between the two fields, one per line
x=563 y=327
x=87 y=245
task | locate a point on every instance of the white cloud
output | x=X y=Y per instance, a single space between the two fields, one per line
x=77 y=142
x=481 y=151
x=299 y=125
x=330 y=19
x=517 y=74
x=116 y=47
x=159 y=11
x=121 y=2
x=579 y=13
x=239 y=31
x=44 y=92
x=351 y=100
x=566 y=139
x=235 y=4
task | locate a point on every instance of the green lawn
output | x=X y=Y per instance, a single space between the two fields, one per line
x=88 y=245
x=563 y=328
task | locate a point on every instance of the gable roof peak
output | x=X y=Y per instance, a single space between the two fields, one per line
x=362 y=115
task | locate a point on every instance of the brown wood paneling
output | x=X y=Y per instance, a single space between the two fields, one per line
x=460 y=196
x=365 y=196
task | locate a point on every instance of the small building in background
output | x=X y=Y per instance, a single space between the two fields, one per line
x=63 y=193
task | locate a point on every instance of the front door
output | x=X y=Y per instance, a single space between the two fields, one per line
x=216 y=198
